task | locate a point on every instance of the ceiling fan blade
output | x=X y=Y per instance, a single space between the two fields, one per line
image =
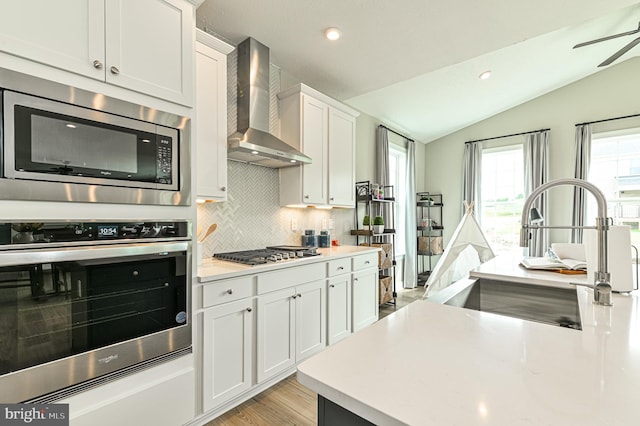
x=611 y=37
x=620 y=52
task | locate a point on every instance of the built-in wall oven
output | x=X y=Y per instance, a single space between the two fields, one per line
x=61 y=143
x=82 y=303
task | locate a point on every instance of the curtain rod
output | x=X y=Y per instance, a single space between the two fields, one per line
x=508 y=136
x=393 y=131
x=608 y=119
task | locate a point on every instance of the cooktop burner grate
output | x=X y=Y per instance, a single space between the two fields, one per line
x=267 y=255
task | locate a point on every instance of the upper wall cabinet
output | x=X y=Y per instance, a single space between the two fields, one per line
x=142 y=45
x=211 y=117
x=325 y=130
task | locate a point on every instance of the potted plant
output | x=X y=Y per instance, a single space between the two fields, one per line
x=366 y=221
x=378 y=225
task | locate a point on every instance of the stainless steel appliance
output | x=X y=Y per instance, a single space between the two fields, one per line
x=82 y=303
x=268 y=255
x=64 y=144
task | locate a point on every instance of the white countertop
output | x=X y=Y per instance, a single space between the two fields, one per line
x=214 y=269
x=431 y=364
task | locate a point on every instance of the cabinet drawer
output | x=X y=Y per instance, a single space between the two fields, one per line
x=365 y=261
x=227 y=291
x=339 y=266
x=290 y=277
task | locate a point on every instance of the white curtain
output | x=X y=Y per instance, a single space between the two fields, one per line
x=536 y=173
x=410 y=271
x=581 y=171
x=472 y=168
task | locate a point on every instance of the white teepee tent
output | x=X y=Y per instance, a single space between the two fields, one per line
x=467 y=249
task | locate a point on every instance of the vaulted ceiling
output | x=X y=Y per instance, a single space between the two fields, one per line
x=414 y=64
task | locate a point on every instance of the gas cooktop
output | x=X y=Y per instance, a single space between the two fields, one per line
x=268 y=255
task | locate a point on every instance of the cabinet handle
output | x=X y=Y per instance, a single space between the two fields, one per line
x=249 y=309
x=340 y=268
x=294 y=296
x=306 y=197
x=229 y=291
x=367 y=262
x=115 y=70
x=135 y=273
x=331 y=199
x=332 y=285
x=223 y=189
x=299 y=295
x=97 y=64
x=355 y=279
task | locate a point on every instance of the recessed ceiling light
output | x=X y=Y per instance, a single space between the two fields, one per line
x=71 y=126
x=485 y=75
x=293 y=161
x=332 y=33
x=254 y=152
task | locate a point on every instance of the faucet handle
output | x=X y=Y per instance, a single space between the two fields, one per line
x=601 y=292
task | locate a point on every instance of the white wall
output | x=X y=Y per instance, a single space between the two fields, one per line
x=613 y=92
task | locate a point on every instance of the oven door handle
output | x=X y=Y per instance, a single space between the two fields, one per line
x=70 y=254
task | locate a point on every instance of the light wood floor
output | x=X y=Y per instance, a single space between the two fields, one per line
x=288 y=403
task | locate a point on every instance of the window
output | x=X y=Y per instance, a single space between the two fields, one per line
x=397 y=178
x=502 y=196
x=615 y=169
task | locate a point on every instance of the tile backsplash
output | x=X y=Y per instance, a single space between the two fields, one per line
x=252 y=217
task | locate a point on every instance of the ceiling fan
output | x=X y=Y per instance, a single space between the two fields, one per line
x=620 y=52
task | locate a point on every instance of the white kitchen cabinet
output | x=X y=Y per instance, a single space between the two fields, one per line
x=323 y=129
x=142 y=45
x=211 y=117
x=228 y=351
x=291 y=327
x=338 y=308
x=364 y=291
x=342 y=158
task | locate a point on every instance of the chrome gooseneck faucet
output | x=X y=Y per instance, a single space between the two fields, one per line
x=602 y=286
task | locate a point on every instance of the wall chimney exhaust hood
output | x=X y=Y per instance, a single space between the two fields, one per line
x=253 y=143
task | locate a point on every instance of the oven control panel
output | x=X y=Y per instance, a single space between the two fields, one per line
x=21 y=233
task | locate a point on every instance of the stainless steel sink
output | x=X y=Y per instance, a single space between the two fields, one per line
x=549 y=305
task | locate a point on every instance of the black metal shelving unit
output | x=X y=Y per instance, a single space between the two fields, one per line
x=430 y=233
x=370 y=203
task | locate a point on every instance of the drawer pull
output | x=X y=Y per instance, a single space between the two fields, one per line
x=115 y=70
x=249 y=309
x=229 y=291
x=294 y=296
x=97 y=64
x=332 y=285
x=135 y=273
x=355 y=279
x=299 y=295
x=340 y=268
x=367 y=262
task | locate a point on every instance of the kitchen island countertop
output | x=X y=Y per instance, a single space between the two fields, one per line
x=214 y=269
x=431 y=364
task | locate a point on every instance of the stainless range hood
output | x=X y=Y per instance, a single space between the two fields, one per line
x=253 y=143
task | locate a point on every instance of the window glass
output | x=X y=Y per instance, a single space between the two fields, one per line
x=615 y=169
x=397 y=178
x=502 y=197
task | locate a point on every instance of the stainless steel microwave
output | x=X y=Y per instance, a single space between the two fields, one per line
x=64 y=144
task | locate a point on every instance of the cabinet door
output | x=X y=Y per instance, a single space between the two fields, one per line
x=67 y=34
x=311 y=319
x=149 y=45
x=342 y=153
x=314 y=144
x=211 y=123
x=276 y=333
x=227 y=351
x=339 y=308
x=364 y=297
